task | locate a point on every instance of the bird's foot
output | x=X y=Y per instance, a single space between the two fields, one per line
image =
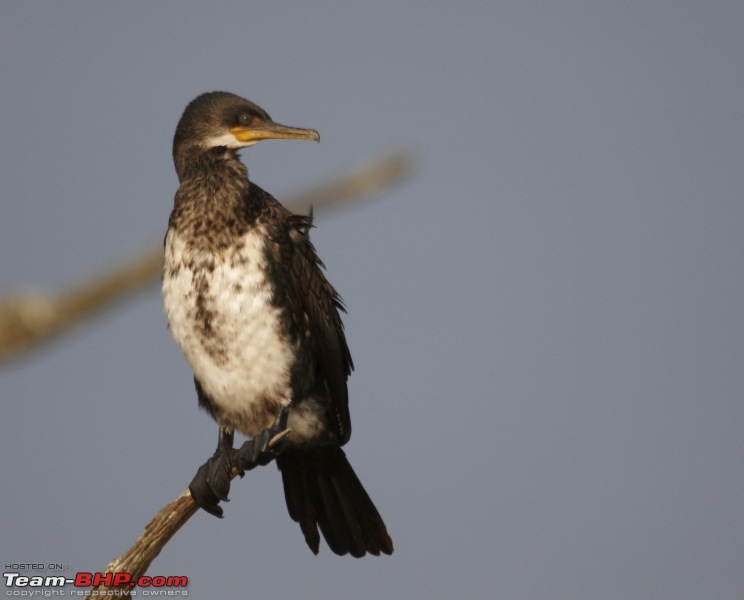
x=265 y=447
x=211 y=484
x=212 y=481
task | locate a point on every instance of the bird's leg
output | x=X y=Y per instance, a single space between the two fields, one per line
x=212 y=481
x=265 y=447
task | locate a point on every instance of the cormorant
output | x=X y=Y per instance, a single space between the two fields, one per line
x=249 y=305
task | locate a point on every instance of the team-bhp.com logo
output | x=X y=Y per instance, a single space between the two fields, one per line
x=46 y=586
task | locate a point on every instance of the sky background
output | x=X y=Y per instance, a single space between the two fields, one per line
x=547 y=319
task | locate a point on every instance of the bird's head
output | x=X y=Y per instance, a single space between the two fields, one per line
x=224 y=120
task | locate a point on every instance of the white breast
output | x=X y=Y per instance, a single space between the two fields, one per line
x=220 y=313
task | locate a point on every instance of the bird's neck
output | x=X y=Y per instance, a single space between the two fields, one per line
x=211 y=167
x=214 y=184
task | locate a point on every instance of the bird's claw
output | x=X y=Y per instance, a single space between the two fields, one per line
x=279 y=439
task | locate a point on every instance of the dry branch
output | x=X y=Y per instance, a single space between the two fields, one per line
x=158 y=533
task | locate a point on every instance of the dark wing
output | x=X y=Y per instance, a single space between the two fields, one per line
x=313 y=297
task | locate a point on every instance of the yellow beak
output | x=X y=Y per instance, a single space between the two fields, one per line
x=249 y=134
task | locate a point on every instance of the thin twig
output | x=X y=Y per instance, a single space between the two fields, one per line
x=30 y=318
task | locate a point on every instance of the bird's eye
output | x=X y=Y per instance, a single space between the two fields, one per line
x=245 y=119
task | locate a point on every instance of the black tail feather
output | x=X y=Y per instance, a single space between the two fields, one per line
x=322 y=491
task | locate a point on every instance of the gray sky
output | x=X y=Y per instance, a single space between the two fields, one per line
x=546 y=320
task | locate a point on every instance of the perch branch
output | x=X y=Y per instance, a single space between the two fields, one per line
x=157 y=534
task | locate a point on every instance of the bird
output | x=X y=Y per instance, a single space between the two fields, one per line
x=248 y=304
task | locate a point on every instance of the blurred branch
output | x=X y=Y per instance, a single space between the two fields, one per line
x=30 y=318
x=358 y=183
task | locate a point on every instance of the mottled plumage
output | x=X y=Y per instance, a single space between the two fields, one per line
x=249 y=306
